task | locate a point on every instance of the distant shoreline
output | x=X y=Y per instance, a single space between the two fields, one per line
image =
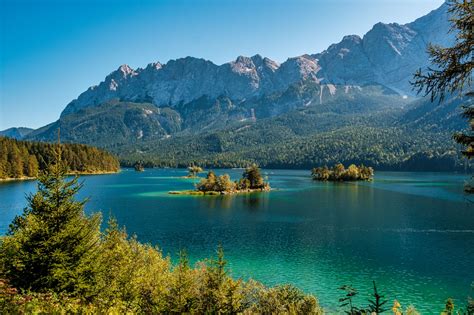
x=25 y=178
x=382 y=169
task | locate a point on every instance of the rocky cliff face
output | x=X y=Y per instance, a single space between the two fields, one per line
x=388 y=54
x=187 y=79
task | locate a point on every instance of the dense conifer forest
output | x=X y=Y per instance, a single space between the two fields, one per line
x=381 y=148
x=20 y=159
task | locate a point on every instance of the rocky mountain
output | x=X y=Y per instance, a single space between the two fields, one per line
x=16 y=132
x=356 y=94
x=187 y=79
x=387 y=55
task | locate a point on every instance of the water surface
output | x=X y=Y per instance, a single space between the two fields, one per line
x=413 y=233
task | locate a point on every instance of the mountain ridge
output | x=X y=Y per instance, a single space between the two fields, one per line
x=386 y=55
x=16 y=132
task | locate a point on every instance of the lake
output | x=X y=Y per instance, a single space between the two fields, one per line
x=413 y=233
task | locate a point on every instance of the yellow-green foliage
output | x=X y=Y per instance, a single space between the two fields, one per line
x=251 y=180
x=133 y=278
x=194 y=170
x=397 y=309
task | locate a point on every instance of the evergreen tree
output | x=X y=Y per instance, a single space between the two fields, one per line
x=347 y=300
x=252 y=174
x=449 y=307
x=452 y=69
x=182 y=295
x=194 y=170
x=51 y=245
x=338 y=171
x=224 y=183
x=215 y=277
x=33 y=167
x=377 y=304
x=16 y=164
x=209 y=183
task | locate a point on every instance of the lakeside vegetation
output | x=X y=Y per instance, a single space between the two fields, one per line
x=251 y=181
x=340 y=173
x=55 y=259
x=25 y=159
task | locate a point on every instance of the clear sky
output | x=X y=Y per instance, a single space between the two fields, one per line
x=52 y=50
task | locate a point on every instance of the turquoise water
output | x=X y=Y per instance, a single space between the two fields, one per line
x=413 y=233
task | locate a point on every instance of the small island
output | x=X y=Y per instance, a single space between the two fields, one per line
x=339 y=173
x=139 y=167
x=251 y=181
x=193 y=171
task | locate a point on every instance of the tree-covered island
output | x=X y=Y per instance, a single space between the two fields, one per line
x=340 y=173
x=193 y=171
x=139 y=166
x=251 y=181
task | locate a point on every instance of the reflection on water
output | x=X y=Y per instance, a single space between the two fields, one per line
x=411 y=232
x=249 y=201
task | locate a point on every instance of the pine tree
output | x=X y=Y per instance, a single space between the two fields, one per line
x=452 y=69
x=377 y=304
x=253 y=175
x=449 y=307
x=215 y=277
x=16 y=164
x=51 y=245
x=181 y=295
x=32 y=169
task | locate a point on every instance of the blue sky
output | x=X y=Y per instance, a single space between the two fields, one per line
x=52 y=50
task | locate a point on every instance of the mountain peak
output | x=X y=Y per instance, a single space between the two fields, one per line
x=154 y=65
x=126 y=70
x=243 y=59
x=352 y=38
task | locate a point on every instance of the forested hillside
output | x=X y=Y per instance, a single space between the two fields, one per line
x=308 y=137
x=20 y=159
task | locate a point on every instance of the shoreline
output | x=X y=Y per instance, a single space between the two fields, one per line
x=24 y=178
